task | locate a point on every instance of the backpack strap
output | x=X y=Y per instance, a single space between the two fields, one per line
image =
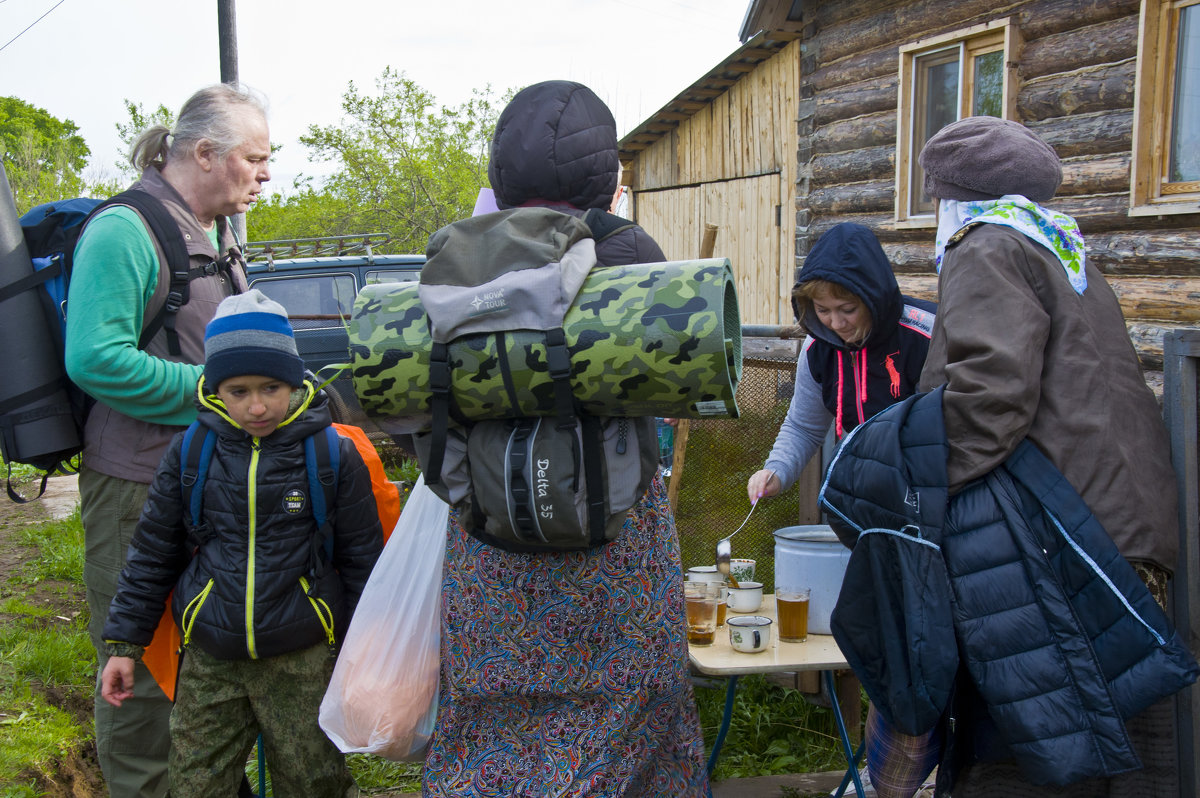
x=589 y=428
x=195 y=455
x=322 y=462
x=168 y=235
x=439 y=405
x=604 y=224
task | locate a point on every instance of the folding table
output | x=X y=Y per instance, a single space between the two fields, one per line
x=818 y=653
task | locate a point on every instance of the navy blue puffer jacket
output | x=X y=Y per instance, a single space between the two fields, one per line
x=1060 y=637
x=249 y=590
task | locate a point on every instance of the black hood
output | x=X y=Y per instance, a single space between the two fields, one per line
x=850 y=255
x=556 y=142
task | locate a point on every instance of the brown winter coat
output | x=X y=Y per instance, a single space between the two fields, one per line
x=1024 y=356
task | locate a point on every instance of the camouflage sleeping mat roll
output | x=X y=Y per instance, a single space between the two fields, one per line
x=653 y=339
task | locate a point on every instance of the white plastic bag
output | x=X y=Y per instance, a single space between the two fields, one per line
x=382 y=698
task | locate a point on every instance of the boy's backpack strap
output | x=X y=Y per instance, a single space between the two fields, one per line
x=322 y=461
x=168 y=235
x=604 y=224
x=195 y=454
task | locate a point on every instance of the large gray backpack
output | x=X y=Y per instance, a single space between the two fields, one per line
x=559 y=482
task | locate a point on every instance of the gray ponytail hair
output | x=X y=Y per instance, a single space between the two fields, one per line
x=213 y=113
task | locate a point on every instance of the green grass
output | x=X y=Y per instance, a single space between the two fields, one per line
x=772 y=730
x=43 y=652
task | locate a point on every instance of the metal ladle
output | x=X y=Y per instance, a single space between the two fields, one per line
x=724 y=548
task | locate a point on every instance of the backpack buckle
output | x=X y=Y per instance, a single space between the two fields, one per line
x=174 y=302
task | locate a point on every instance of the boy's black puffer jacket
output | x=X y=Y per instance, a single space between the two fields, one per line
x=248 y=590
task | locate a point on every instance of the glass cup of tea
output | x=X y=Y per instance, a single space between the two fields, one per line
x=791 y=605
x=701 y=601
x=722 y=603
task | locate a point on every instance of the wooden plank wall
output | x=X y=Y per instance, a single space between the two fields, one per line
x=744 y=212
x=1076 y=71
x=731 y=164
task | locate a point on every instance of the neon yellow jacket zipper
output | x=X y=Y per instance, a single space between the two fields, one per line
x=252 y=501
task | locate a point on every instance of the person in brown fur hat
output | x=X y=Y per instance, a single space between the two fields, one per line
x=1030 y=343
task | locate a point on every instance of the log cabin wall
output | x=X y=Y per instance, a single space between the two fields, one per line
x=1075 y=62
x=728 y=159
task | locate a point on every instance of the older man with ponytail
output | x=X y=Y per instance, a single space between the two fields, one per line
x=210 y=166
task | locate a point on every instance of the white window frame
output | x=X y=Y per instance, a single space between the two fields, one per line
x=999 y=34
x=1151 y=194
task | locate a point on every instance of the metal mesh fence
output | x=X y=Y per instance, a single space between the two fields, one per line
x=719 y=457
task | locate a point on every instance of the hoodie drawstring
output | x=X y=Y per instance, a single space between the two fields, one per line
x=841 y=389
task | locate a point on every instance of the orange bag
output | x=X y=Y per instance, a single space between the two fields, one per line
x=387 y=495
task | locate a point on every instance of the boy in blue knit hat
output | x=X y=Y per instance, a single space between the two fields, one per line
x=260 y=603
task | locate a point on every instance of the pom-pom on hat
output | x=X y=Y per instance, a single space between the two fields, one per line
x=982 y=157
x=250 y=334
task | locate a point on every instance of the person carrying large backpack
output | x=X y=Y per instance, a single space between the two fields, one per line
x=577 y=657
x=211 y=166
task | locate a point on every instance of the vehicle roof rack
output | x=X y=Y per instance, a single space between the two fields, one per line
x=322 y=246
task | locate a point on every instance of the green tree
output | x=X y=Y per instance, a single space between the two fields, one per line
x=405 y=166
x=139 y=121
x=43 y=156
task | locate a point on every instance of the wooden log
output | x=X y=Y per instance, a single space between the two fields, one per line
x=912 y=257
x=867 y=130
x=883 y=26
x=1108 y=213
x=881 y=224
x=873 y=195
x=1107 y=87
x=1150 y=252
x=1095 y=174
x=854 y=166
x=1159 y=254
x=922 y=286
x=1147 y=301
x=866 y=97
x=1160 y=299
x=1048 y=17
x=1099 y=133
x=854 y=69
x=1102 y=43
x=1148 y=341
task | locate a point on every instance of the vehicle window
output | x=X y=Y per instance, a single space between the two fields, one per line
x=393 y=276
x=312 y=301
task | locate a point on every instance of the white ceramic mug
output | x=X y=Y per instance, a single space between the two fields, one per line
x=746 y=597
x=750 y=634
x=742 y=569
x=704 y=573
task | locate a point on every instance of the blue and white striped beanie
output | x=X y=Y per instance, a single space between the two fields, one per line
x=250 y=334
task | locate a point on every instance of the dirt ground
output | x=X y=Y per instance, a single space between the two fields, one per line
x=77 y=774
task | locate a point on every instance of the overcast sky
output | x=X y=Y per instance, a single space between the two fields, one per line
x=82 y=58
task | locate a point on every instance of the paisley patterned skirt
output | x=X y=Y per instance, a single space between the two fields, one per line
x=566 y=674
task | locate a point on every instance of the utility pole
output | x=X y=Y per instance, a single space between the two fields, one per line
x=227 y=38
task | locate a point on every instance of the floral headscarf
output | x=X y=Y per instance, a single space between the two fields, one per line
x=1055 y=231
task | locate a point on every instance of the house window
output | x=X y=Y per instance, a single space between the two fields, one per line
x=942 y=80
x=1166 y=137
